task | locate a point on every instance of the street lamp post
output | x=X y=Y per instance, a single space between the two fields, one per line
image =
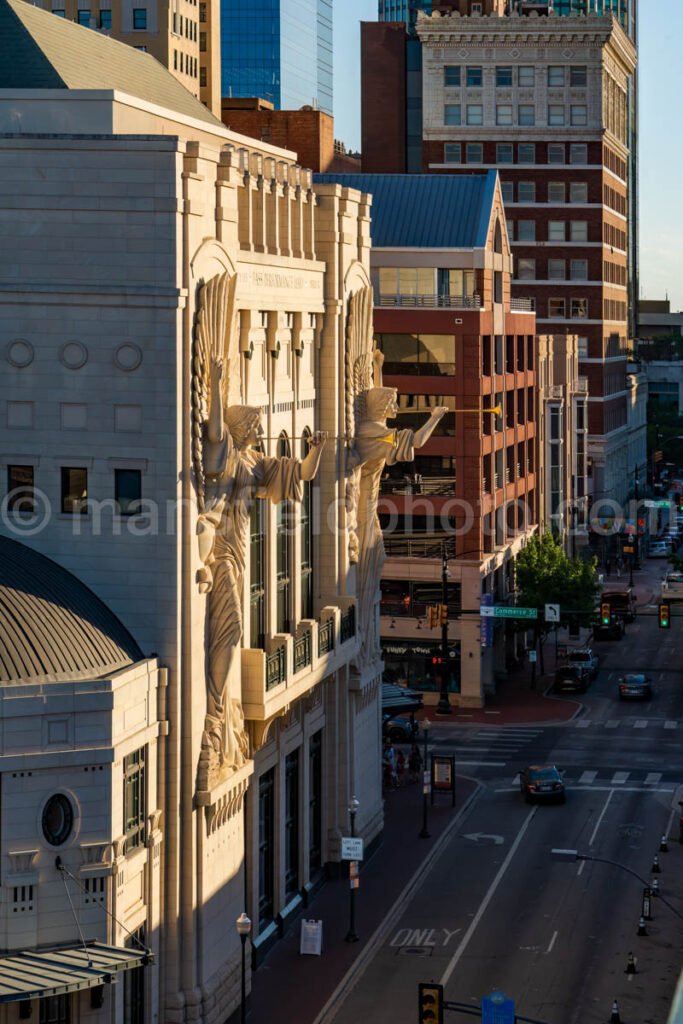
x=444 y=705
x=351 y=935
x=243 y=924
x=424 y=834
x=574 y=855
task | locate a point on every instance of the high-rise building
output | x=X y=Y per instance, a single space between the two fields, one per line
x=280 y=50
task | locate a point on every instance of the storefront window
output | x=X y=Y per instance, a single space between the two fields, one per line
x=419 y=666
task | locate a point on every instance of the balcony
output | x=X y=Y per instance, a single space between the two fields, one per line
x=302 y=652
x=581 y=386
x=412 y=547
x=419 y=369
x=348 y=624
x=276 y=668
x=521 y=305
x=326 y=638
x=434 y=486
x=430 y=301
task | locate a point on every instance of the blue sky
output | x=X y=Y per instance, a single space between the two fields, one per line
x=661 y=130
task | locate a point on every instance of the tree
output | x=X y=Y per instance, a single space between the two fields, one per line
x=676 y=562
x=545 y=574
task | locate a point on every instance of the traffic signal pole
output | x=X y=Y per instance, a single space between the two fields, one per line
x=444 y=706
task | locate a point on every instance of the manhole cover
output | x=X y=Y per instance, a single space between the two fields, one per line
x=416 y=951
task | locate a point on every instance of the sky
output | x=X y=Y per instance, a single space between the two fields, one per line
x=661 y=130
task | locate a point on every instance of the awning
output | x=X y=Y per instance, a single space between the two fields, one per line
x=397 y=698
x=36 y=974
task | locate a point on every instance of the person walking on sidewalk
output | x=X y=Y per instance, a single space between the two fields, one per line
x=400 y=768
x=414 y=763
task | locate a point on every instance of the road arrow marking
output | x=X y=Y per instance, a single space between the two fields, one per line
x=476 y=837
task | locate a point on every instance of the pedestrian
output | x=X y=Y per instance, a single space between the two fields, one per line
x=389 y=761
x=400 y=768
x=414 y=763
x=608 y=567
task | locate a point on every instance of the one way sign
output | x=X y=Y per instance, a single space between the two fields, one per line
x=552 y=613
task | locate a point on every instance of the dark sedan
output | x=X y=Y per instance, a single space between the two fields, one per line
x=635 y=686
x=542 y=782
x=399 y=729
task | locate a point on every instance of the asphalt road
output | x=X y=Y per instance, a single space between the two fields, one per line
x=495 y=911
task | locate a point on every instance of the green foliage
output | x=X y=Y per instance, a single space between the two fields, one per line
x=545 y=574
x=676 y=562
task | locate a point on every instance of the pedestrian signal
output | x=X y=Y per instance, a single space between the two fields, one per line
x=605 y=613
x=437 y=661
x=430 y=1004
x=444 y=614
x=664 y=615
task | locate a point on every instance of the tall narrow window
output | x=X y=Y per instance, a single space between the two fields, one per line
x=257 y=574
x=74 y=491
x=306 y=527
x=283 y=556
x=315 y=803
x=20 y=490
x=127 y=491
x=139 y=19
x=266 y=815
x=134 y=983
x=134 y=799
x=292 y=824
x=55 y=1009
x=105 y=19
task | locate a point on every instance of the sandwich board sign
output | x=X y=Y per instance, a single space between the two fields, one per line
x=311 y=942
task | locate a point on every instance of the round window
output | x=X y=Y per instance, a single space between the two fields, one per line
x=58 y=819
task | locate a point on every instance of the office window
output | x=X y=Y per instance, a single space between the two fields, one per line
x=84 y=18
x=139 y=19
x=556 y=114
x=74 y=491
x=266 y=841
x=257 y=581
x=526 y=77
x=526 y=230
x=306 y=538
x=504 y=153
x=556 y=153
x=202 y=42
x=503 y=77
x=315 y=803
x=291 y=824
x=175 y=60
x=475 y=113
x=555 y=76
x=556 y=270
x=578 y=192
x=134 y=799
x=556 y=307
x=474 y=151
x=578 y=114
x=59 y=11
x=578 y=309
x=55 y=1009
x=556 y=192
x=578 y=77
x=556 y=231
x=127 y=491
x=474 y=77
x=451 y=114
x=578 y=270
x=526 y=270
x=504 y=114
x=507 y=189
x=526 y=153
x=578 y=153
x=526 y=192
x=451 y=75
x=202 y=77
x=20 y=490
x=283 y=549
x=202 y=12
x=134 y=983
x=105 y=20
x=578 y=231
x=583 y=348
x=452 y=153
x=526 y=115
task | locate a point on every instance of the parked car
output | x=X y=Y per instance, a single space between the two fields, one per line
x=635 y=686
x=399 y=729
x=572 y=679
x=542 y=782
x=583 y=658
x=659 y=549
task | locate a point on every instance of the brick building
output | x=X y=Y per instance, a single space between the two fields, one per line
x=451 y=336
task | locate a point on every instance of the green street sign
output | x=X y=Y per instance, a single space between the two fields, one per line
x=503 y=612
x=660 y=503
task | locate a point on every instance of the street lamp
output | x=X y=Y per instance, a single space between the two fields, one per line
x=574 y=855
x=243 y=925
x=351 y=935
x=424 y=834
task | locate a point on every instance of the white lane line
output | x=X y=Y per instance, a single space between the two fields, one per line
x=580 y=868
x=583 y=723
x=612 y=723
x=487 y=899
x=640 y=723
x=619 y=778
x=600 y=817
x=610 y=676
x=652 y=778
x=588 y=777
x=670 y=725
x=552 y=943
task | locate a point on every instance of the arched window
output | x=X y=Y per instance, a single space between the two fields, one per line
x=283 y=545
x=306 y=528
x=497 y=238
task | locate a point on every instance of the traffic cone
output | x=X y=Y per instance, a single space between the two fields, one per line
x=631 y=964
x=663 y=845
x=642 y=927
x=656 y=870
x=654 y=886
x=615 y=1018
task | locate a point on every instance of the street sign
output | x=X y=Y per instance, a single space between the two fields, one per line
x=503 y=612
x=351 y=848
x=552 y=613
x=497 y=1009
x=532 y=656
x=628 y=549
x=663 y=503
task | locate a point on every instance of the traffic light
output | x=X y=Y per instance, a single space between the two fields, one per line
x=444 y=614
x=432 y=617
x=436 y=660
x=430 y=1004
x=664 y=615
x=680 y=502
x=605 y=613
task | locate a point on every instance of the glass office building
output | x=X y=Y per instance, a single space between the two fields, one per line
x=403 y=10
x=278 y=50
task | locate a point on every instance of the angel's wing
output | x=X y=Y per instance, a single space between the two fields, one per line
x=215 y=339
x=359 y=355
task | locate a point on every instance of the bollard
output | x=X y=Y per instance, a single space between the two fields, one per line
x=642 y=927
x=663 y=845
x=631 y=964
x=615 y=1018
x=654 y=887
x=656 y=870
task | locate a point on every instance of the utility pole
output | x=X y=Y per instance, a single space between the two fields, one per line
x=444 y=706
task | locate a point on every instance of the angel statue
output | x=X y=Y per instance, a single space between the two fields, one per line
x=373 y=446
x=230 y=472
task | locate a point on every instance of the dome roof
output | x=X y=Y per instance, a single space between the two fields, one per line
x=52 y=627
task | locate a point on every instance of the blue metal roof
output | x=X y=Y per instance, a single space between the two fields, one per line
x=426 y=211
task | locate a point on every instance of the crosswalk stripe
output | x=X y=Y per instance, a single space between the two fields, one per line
x=640 y=723
x=612 y=723
x=653 y=777
x=619 y=778
x=671 y=725
x=588 y=777
x=583 y=723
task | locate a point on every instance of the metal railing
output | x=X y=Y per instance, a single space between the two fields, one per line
x=420 y=369
x=276 y=668
x=518 y=305
x=430 y=300
x=326 y=637
x=348 y=624
x=426 y=547
x=443 y=486
x=302 y=651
